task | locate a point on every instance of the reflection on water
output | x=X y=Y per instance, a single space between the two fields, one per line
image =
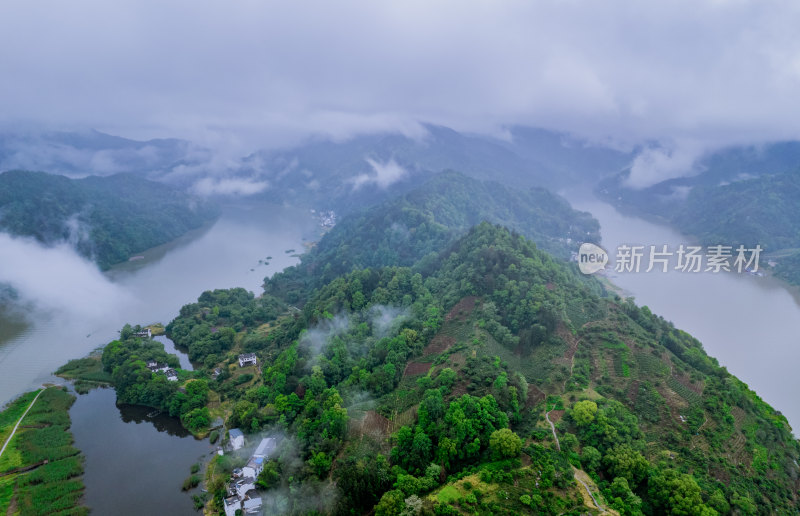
x=750 y=324
x=162 y=422
x=134 y=464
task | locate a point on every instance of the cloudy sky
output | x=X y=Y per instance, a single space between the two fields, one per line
x=695 y=73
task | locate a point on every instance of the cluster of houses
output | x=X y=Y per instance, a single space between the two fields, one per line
x=160 y=367
x=242 y=493
x=327 y=218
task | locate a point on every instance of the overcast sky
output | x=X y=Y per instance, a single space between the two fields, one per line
x=692 y=72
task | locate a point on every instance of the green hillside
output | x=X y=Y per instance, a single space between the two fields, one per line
x=431 y=388
x=416 y=226
x=107 y=219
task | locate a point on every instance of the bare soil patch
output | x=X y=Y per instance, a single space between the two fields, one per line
x=416 y=368
x=439 y=344
x=462 y=310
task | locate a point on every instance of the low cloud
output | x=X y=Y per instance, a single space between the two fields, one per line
x=55 y=278
x=316 y=339
x=657 y=164
x=385 y=319
x=229 y=186
x=383 y=174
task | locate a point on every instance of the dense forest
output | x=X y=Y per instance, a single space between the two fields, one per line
x=417 y=225
x=431 y=387
x=107 y=219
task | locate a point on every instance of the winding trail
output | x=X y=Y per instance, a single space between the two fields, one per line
x=20 y=421
x=553 y=428
x=577 y=471
x=586 y=486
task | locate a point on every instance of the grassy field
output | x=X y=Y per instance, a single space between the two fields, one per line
x=86 y=373
x=40 y=470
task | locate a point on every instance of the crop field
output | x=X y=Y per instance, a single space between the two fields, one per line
x=650 y=366
x=42 y=469
x=684 y=392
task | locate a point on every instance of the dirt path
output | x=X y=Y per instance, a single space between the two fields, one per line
x=553 y=428
x=20 y=421
x=579 y=476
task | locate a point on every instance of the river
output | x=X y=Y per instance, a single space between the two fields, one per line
x=93 y=306
x=750 y=324
x=135 y=464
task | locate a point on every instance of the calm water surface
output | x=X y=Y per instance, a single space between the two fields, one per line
x=146 y=291
x=135 y=464
x=750 y=324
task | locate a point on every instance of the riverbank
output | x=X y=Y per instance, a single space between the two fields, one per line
x=40 y=469
x=750 y=324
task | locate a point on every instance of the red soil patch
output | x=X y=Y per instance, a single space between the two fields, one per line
x=462 y=310
x=416 y=368
x=439 y=344
x=375 y=422
x=556 y=415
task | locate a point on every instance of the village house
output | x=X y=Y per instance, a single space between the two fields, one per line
x=236 y=438
x=155 y=367
x=145 y=333
x=247 y=359
x=172 y=376
x=263 y=452
x=242 y=494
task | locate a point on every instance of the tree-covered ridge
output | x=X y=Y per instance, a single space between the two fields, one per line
x=107 y=219
x=419 y=224
x=429 y=390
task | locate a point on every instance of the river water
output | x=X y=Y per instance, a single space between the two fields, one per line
x=94 y=306
x=134 y=464
x=750 y=324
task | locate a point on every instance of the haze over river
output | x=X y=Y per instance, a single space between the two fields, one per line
x=750 y=324
x=76 y=309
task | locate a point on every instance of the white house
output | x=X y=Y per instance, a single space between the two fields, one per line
x=243 y=485
x=154 y=366
x=172 y=376
x=232 y=504
x=254 y=467
x=145 y=333
x=264 y=450
x=253 y=503
x=236 y=438
x=266 y=447
x=247 y=359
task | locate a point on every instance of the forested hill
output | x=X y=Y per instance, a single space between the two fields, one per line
x=419 y=224
x=430 y=390
x=107 y=219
